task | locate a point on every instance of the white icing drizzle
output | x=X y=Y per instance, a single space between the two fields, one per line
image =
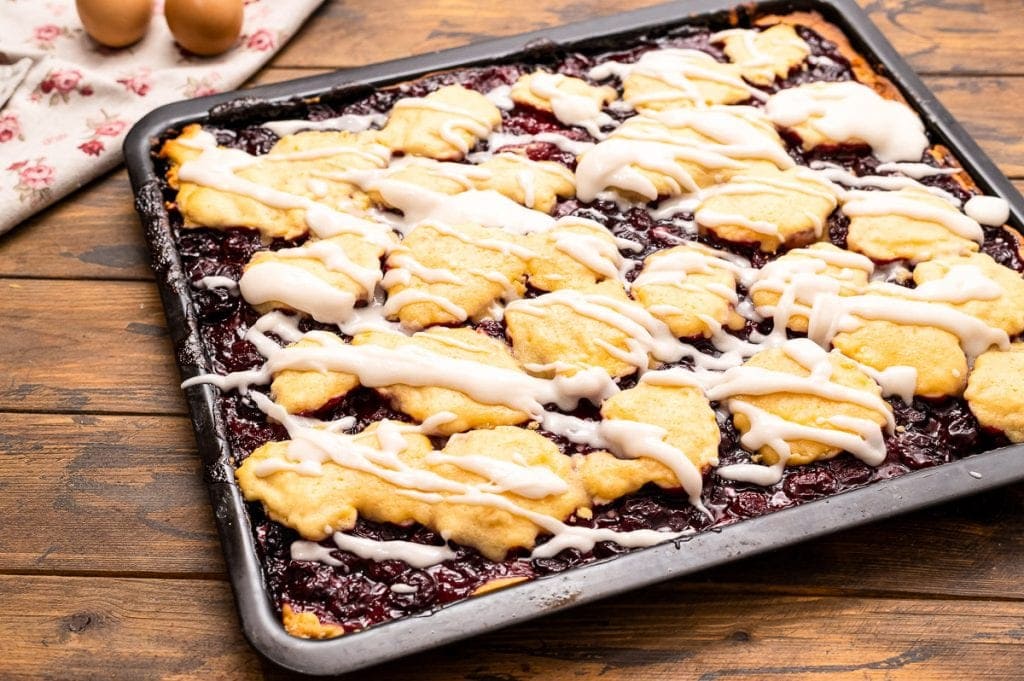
x=499 y=245
x=848 y=111
x=569 y=108
x=686 y=203
x=376 y=154
x=487 y=208
x=531 y=482
x=916 y=170
x=310 y=550
x=410 y=296
x=677 y=68
x=900 y=381
x=333 y=257
x=461 y=119
x=875 y=204
x=277 y=282
x=403 y=266
x=649 y=143
x=837 y=173
x=346 y=122
x=991 y=211
x=593 y=252
x=416 y=555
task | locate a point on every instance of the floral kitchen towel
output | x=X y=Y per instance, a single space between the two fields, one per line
x=67 y=102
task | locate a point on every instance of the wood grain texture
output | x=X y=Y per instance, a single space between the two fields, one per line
x=59 y=627
x=714 y=637
x=114 y=494
x=106 y=629
x=86 y=346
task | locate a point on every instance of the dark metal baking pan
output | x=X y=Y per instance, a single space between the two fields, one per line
x=580 y=585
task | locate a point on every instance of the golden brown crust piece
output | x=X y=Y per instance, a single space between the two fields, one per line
x=308 y=625
x=807 y=409
x=995 y=391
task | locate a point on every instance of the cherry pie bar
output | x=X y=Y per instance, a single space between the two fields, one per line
x=501 y=321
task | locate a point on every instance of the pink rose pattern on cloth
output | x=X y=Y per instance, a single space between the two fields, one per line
x=65 y=122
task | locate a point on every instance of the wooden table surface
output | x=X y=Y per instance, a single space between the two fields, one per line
x=110 y=567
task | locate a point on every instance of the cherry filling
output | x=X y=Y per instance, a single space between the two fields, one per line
x=359 y=593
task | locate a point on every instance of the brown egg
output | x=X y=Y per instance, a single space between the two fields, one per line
x=115 y=23
x=205 y=27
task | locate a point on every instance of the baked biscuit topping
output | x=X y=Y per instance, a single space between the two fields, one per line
x=691 y=288
x=677 y=78
x=678 y=152
x=515 y=318
x=573 y=101
x=534 y=184
x=763 y=56
x=460 y=412
x=769 y=207
x=909 y=224
x=577 y=254
x=567 y=330
x=796 y=403
x=444 y=125
x=673 y=438
x=444 y=274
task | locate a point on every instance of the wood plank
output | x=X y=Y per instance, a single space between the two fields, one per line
x=119 y=494
x=934 y=35
x=951 y=36
x=87 y=628
x=989 y=109
x=660 y=634
x=93 y=234
x=147 y=469
x=86 y=346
